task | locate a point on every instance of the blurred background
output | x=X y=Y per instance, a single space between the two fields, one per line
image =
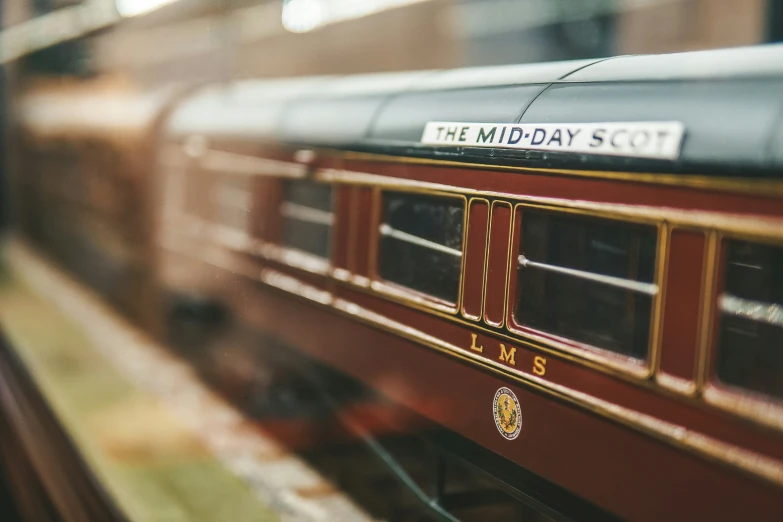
x=159 y=41
x=151 y=43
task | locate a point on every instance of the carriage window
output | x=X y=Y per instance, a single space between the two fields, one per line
x=307 y=217
x=750 y=339
x=232 y=200
x=587 y=279
x=421 y=243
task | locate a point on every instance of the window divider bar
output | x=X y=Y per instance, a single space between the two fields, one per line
x=634 y=286
x=224 y=161
x=759 y=311
x=305 y=213
x=388 y=230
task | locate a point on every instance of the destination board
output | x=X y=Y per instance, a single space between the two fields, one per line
x=659 y=140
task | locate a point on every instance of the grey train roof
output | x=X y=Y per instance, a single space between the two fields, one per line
x=730 y=103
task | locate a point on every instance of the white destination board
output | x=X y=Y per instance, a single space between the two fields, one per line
x=659 y=140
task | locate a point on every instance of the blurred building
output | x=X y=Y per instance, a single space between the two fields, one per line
x=215 y=39
x=685 y=25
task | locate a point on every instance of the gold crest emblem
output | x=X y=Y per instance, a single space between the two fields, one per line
x=508 y=416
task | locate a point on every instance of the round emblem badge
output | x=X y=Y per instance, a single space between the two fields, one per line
x=508 y=416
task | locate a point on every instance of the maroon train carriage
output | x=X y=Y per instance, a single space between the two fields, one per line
x=575 y=269
x=87 y=152
x=577 y=266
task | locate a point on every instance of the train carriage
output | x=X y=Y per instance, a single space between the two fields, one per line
x=87 y=149
x=604 y=313
x=574 y=268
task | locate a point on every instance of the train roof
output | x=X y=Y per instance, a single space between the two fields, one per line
x=99 y=108
x=250 y=109
x=729 y=104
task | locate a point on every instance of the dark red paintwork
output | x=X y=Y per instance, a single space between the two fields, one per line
x=681 y=305
x=364 y=221
x=475 y=256
x=497 y=265
x=622 y=468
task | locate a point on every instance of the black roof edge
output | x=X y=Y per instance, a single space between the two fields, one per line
x=475 y=157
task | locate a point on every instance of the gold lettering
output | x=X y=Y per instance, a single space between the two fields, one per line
x=507 y=355
x=539 y=365
x=473 y=346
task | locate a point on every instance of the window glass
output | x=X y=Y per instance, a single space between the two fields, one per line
x=233 y=200
x=750 y=339
x=421 y=243
x=307 y=217
x=587 y=279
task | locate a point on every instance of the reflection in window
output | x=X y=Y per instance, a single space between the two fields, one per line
x=307 y=217
x=587 y=279
x=421 y=243
x=232 y=200
x=750 y=340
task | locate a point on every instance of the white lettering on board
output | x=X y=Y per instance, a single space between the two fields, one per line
x=659 y=140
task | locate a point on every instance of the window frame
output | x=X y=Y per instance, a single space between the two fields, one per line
x=728 y=397
x=294 y=257
x=471 y=200
x=686 y=387
x=394 y=290
x=220 y=233
x=639 y=368
x=181 y=167
x=221 y=181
